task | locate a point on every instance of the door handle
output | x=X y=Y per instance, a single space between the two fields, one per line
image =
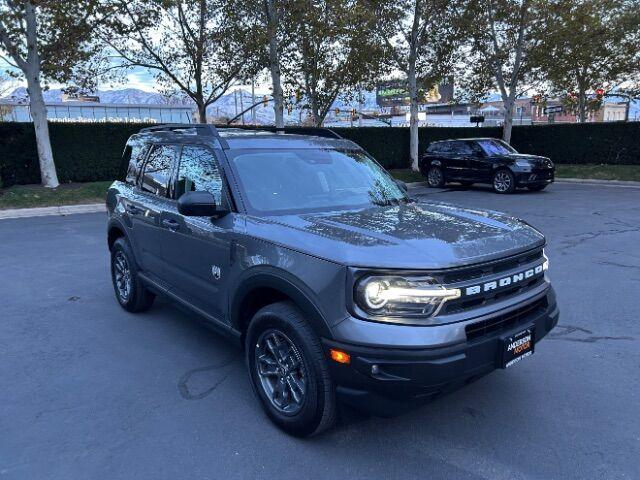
x=170 y=224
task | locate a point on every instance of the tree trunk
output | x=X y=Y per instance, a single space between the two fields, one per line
x=48 y=174
x=202 y=112
x=413 y=116
x=274 y=62
x=508 y=120
x=582 y=105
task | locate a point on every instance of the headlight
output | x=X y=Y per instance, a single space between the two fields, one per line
x=395 y=296
x=523 y=163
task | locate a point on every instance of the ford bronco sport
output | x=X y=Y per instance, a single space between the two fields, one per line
x=336 y=283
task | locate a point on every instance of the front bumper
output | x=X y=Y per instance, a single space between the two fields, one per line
x=405 y=377
x=536 y=176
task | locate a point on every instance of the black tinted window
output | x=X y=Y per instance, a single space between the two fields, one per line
x=444 y=147
x=134 y=154
x=198 y=172
x=157 y=169
x=433 y=148
x=461 y=148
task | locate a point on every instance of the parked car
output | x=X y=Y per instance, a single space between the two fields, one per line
x=485 y=160
x=336 y=284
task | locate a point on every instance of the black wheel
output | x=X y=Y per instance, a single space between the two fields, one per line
x=504 y=181
x=288 y=370
x=537 y=188
x=132 y=295
x=435 y=177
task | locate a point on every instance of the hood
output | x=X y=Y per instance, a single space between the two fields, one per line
x=418 y=235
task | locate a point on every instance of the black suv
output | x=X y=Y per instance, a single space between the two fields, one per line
x=485 y=160
x=336 y=284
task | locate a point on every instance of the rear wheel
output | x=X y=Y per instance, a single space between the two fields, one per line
x=537 y=188
x=289 y=372
x=504 y=181
x=435 y=177
x=130 y=292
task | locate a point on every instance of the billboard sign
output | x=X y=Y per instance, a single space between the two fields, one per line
x=394 y=93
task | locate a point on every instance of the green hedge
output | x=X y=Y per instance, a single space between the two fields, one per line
x=83 y=152
x=590 y=143
x=86 y=152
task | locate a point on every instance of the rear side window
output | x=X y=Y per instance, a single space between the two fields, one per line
x=433 y=148
x=132 y=159
x=135 y=151
x=444 y=147
x=461 y=148
x=198 y=172
x=157 y=169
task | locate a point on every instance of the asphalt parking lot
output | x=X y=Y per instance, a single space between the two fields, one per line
x=90 y=391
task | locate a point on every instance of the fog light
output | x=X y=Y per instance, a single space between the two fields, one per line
x=375 y=369
x=340 y=356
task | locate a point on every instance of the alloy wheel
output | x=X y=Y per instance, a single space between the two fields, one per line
x=502 y=181
x=122 y=275
x=434 y=177
x=281 y=371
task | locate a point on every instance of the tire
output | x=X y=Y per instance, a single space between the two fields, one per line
x=503 y=181
x=130 y=292
x=537 y=188
x=435 y=177
x=280 y=329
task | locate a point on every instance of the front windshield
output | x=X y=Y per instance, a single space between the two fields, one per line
x=303 y=180
x=495 y=147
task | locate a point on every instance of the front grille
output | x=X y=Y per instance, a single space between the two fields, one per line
x=486 y=272
x=505 y=321
x=492 y=268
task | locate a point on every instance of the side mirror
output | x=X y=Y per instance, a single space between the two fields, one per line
x=199 y=204
x=402 y=185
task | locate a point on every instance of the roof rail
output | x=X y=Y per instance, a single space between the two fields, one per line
x=316 y=131
x=203 y=129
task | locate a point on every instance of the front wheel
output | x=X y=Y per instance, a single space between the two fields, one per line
x=288 y=370
x=435 y=177
x=504 y=181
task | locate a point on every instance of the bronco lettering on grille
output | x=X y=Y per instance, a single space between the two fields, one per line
x=504 y=281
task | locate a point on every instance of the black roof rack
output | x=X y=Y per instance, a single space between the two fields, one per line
x=203 y=129
x=315 y=131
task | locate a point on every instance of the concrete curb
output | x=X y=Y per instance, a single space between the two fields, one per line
x=46 y=211
x=593 y=181
x=416 y=184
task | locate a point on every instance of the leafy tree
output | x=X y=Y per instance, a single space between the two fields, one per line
x=330 y=52
x=421 y=38
x=45 y=40
x=590 y=45
x=504 y=36
x=199 y=47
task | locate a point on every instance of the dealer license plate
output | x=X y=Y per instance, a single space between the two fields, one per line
x=517 y=347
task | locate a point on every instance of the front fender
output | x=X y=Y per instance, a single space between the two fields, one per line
x=266 y=276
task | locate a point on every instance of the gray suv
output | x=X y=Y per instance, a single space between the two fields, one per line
x=337 y=285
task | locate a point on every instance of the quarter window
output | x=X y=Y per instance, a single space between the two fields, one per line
x=199 y=172
x=157 y=169
x=136 y=151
